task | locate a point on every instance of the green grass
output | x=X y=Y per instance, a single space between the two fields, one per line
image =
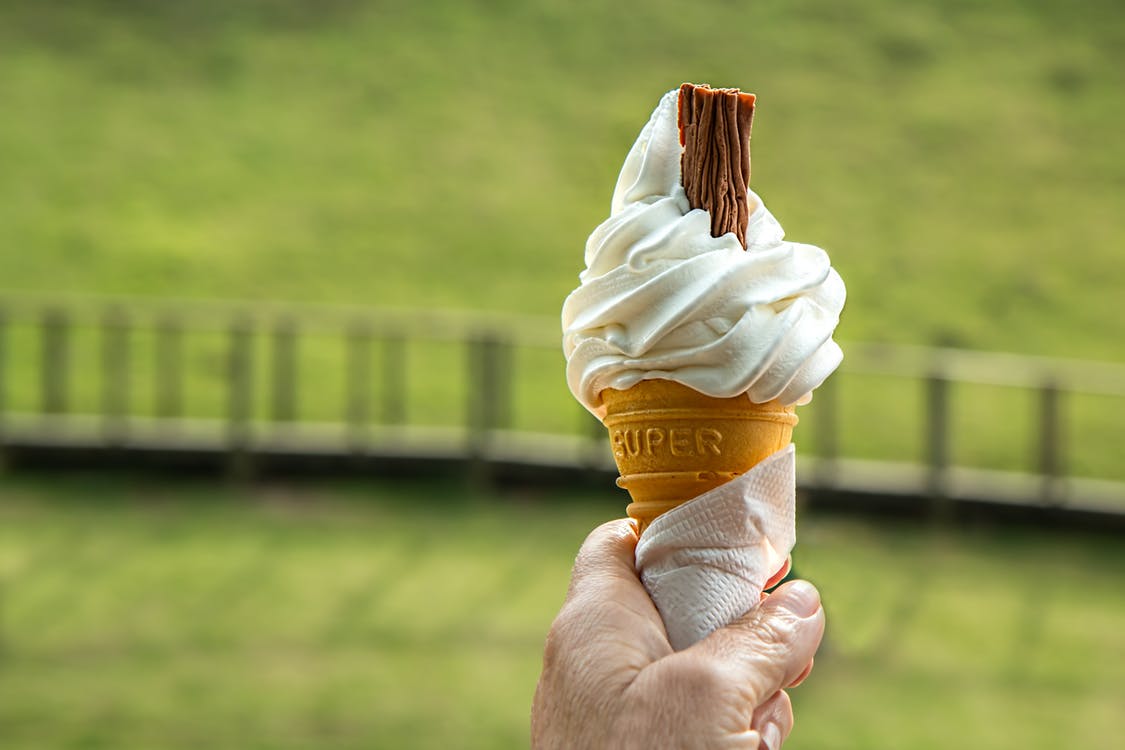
x=136 y=614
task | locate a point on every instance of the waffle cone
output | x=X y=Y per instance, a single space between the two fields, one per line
x=672 y=443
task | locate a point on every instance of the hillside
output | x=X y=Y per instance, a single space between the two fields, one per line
x=962 y=162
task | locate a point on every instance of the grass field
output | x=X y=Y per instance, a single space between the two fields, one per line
x=142 y=615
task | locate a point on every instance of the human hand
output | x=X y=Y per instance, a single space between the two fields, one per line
x=611 y=679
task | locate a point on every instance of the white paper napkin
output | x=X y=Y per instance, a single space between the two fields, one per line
x=706 y=562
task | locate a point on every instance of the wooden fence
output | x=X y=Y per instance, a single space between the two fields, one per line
x=115 y=378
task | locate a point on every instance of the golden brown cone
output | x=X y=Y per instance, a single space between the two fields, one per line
x=672 y=443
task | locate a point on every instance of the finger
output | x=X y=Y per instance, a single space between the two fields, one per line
x=606 y=605
x=777 y=577
x=770 y=646
x=607 y=554
x=803 y=676
x=770 y=724
x=773 y=720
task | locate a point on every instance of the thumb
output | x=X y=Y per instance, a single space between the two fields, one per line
x=769 y=647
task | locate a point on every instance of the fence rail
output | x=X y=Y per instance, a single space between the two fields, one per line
x=240 y=382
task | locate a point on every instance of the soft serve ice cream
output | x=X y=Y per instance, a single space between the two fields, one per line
x=661 y=299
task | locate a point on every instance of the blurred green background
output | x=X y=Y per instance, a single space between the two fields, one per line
x=138 y=614
x=962 y=161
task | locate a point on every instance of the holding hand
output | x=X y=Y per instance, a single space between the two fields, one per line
x=611 y=680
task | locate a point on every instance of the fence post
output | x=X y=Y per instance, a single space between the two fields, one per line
x=284 y=381
x=3 y=387
x=1051 y=468
x=54 y=369
x=825 y=431
x=357 y=386
x=394 y=379
x=486 y=396
x=937 y=441
x=239 y=394
x=169 y=367
x=115 y=375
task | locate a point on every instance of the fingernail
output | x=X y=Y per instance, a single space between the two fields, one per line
x=799 y=597
x=771 y=737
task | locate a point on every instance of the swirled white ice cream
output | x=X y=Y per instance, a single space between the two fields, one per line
x=662 y=299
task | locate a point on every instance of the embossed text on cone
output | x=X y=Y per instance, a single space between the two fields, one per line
x=672 y=443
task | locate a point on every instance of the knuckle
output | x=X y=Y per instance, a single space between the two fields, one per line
x=576 y=626
x=562 y=635
x=595 y=552
x=777 y=630
x=785 y=706
x=552 y=648
x=781 y=710
x=562 y=631
x=604 y=535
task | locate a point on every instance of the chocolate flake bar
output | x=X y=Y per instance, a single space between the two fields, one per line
x=715 y=165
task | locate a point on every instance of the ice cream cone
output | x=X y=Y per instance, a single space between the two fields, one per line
x=672 y=443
